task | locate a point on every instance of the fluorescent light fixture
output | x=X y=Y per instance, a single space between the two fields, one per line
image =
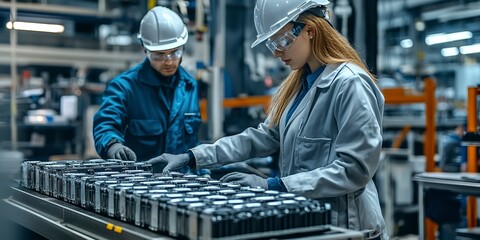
x=450 y=37
x=120 y=40
x=36 y=27
x=420 y=26
x=469 y=49
x=449 y=52
x=406 y=43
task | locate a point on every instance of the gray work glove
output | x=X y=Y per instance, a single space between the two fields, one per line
x=246 y=179
x=174 y=162
x=119 y=151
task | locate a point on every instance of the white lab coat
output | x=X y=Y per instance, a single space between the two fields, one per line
x=329 y=148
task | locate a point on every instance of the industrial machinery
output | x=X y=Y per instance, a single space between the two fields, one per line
x=178 y=205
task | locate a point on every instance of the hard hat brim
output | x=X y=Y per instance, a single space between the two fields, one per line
x=266 y=36
x=165 y=46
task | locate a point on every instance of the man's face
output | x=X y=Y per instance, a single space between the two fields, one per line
x=165 y=62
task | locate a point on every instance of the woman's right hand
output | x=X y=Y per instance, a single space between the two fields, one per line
x=174 y=162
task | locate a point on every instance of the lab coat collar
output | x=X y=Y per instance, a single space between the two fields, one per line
x=329 y=74
x=324 y=80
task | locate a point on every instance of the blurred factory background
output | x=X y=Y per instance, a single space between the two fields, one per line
x=426 y=54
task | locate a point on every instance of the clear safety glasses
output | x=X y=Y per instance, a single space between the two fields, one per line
x=284 y=41
x=163 y=56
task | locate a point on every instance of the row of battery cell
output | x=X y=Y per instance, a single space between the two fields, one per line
x=48 y=177
x=180 y=205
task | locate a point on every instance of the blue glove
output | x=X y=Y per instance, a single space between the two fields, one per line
x=174 y=162
x=119 y=151
x=251 y=180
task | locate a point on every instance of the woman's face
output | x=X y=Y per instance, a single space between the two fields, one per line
x=299 y=53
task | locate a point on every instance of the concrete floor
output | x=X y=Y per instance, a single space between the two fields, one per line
x=406 y=237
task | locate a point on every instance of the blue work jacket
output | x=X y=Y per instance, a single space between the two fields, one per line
x=134 y=113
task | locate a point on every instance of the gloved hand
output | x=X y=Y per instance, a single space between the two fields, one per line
x=119 y=151
x=251 y=180
x=174 y=162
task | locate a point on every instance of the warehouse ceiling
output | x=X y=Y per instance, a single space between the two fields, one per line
x=82 y=20
x=405 y=25
x=99 y=34
x=95 y=25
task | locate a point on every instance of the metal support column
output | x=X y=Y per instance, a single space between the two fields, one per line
x=13 y=73
x=216 y=90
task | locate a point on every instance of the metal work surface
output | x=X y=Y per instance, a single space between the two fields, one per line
x=466 y=183
x=457 y=182
x=55 y=219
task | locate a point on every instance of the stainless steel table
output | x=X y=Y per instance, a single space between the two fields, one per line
x=55 y=219
x=466 y=183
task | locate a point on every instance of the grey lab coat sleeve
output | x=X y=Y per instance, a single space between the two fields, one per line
x=252 y=142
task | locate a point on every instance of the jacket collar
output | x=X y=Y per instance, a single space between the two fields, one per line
x=324 y=80
x=148 y=75
x=329 y=74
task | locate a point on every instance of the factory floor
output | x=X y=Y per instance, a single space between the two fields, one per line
x=407 y=237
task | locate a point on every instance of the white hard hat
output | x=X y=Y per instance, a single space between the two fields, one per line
x=162 y=29
x=271 y=15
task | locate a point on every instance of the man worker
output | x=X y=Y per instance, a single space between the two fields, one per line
x=151 y=108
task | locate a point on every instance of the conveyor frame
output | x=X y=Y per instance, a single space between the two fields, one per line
x=55 y=219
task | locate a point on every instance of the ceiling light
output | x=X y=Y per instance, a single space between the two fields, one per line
x=119 y=40
x=449 y=52
x=443 y=37
x=420 y=26
x=469 y=49
x=36 y=27
x=406 y=43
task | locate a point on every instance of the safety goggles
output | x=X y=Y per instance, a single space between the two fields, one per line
x=163 y=56
x=284 y=41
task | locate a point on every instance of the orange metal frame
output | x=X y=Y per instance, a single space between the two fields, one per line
x=472 y=123
x=405 y=96
x=237 y=103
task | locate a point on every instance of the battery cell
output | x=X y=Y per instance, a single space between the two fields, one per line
x=181 y=205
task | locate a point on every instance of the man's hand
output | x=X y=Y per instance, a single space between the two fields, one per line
x=174 y=162
x=119 y=151
x=251 y=180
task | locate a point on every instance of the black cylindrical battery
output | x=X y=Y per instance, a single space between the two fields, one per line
x=211 y=188
x=163 y=178
x=151 y=217
x=193 y=185
x=152 y=183
x=144 y=174
x=182 y=217
x=214 y=182
x=227 y=192
x=176 y=174
x=172 y=216
x=203 y=180
x=164 y=211
x=193 y=210
x=28 y=174
x=130 y=204
x=178 y=182
x=87 y=191
x=71 y=193
x=101 y=195
x=199 y=194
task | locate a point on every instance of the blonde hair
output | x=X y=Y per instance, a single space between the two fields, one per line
x=328 y=46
